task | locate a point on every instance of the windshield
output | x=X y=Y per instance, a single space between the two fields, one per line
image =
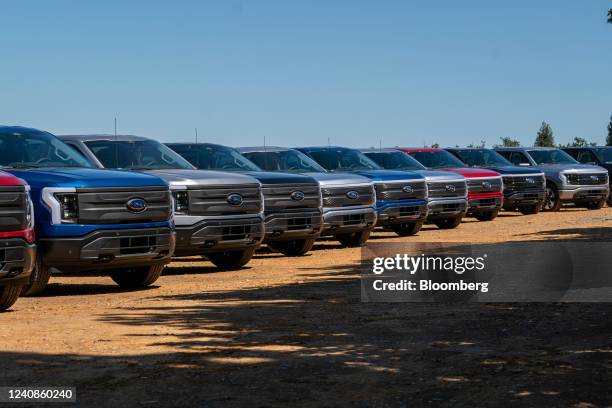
x=334 y=159
x=482 y=157
x=292 y=161
x=136 y=155
x=214 y=157
x=551 y=157
x=395 y=161
x=437 y=159
x=604 y=154
x=37 y=149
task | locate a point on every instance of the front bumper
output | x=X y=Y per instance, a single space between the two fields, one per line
x=402 y=212
x=515 y=199
x=109 y=249
x=16 y=261
x=484 y=202
x=440 y=209
x=346 y=220
x=584 y=193
x=284 y=226
x=214 y=235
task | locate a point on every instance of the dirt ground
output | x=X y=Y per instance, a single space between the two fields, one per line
x=292 y=331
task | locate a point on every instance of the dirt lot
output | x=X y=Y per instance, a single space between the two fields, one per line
x=289 y=331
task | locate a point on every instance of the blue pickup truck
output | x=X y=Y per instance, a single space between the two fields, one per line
x=401 y=196
x=89 y=219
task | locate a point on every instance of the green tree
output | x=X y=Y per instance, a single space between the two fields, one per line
x=509 y=142
x=579 y=142
x=610 y=16
x=436 y=145
x=545 y=136
x=609 y=138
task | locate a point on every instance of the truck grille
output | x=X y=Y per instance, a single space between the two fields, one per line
x=524 y=183
x=216 y=200
x=287 y=197
x=484 y=185
x=400 y=190
x=443 y=189
x=109 y=205
x=347 y=196
x=13 y=208
x=586 y=179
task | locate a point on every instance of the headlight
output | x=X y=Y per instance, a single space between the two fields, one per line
x=69 y=207
x=572 y=178
x=181 y=202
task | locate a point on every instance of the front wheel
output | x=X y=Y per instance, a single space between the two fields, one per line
x=448 y=223
x=231 y=259
x=39 y=278
x=354 y=239
x=551 y=201
x=530 y=209
x=9 y=295
x=133 y=278
x=407 y=229
x=296 y=247
x=486 y=215
x=596 y=205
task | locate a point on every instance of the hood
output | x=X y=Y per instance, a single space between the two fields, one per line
x=268 y=177
x=514 y=170
x=196 y=178
x=472 y=172
x=339 y=179
x=85 y=177
x=388 y=175
x=8 y=180
x=434 y=175
x=574 y=167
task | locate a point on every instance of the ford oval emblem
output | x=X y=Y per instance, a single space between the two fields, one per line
x=486 y=184
x=450 y=188
x=529 y=180
x=408 y=189
x=298 y=195
x=594 y=178
x=353 y=195
x=136 y=205
x=234 y=199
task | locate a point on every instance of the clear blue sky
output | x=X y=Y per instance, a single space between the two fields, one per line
x=299 y=72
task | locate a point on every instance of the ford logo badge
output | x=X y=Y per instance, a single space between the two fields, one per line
x=450 y=188
x=486 y=184
x=353 y=195
x=408 y=189
x=594 y=178
x=297 y=195
x=234 y=199
x=530 y=180
x=136 y=205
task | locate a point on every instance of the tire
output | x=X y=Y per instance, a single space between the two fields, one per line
x=596 y=205
x=296 y=247
x=231 y=259
x=448 y=223
x=407 y=229
x=9 y=295
x=551 y=199
x=530 y=209
x=140 y=277
x=354 y=239
x=38 y=280
x=486 y=215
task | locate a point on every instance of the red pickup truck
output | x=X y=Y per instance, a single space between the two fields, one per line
x=17 y=249
x=485 y=187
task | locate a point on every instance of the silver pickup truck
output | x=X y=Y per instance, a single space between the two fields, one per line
x=567 y=181
x=349 y=212
x=217 y=214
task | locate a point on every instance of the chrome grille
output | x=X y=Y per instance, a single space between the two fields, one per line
x=398 y=190
x=443 y=189
x=484 y=185
x=109 y=205
x=341 y=196
x=214 y=200
x=13 y=208
x=587 y=179
x=279 y=197
x=524 y=183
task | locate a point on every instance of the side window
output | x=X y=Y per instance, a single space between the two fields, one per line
x=77 y=150
x=586 y=156
x=519 y=159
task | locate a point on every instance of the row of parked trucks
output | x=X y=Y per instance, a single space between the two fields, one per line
x=127 y=204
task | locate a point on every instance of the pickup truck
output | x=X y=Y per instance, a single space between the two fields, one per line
x=89 y=219
x=597 y=156
x=401 y=196
x=218 y=215
x=485 y=186
x=17 y=248
x=523 y=187
x=292 y=202
x=447 y=192
x=349 y=212
x=567 y=181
